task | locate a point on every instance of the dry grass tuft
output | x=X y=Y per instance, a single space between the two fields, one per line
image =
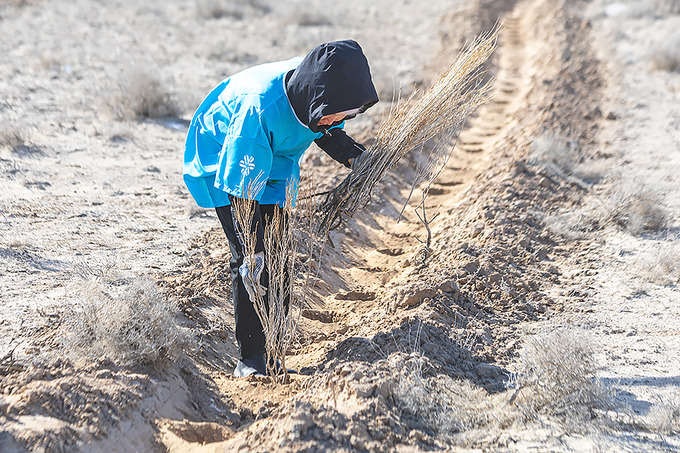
x=663 y=265
x=440 y=403
x=439 y=113
x=16 y=137
x=637 y=209
x=666 y=56
x=138 y=93
x=566 y=224
x=127 y=321
x=557 y=376
x=664 y=7
x=12 y=137
x=630 y=206
x=560 y=157
x=216 y=9
x=444 y=405
x=312 y=19
x=664 y=417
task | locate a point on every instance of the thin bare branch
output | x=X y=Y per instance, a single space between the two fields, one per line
x=438 y=114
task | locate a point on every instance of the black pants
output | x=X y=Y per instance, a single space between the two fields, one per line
x=249 y=333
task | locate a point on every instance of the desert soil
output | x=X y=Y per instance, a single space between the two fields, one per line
x=558 y=213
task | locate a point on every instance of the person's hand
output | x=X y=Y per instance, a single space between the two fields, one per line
x=251 y=271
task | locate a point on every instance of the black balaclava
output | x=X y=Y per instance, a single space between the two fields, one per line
x=332 y=78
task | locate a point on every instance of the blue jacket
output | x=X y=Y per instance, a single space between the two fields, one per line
x=247 y=137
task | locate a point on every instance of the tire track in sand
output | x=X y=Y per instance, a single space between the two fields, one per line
x=492 y=122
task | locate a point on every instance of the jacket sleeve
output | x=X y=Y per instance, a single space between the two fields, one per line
x=340 y=146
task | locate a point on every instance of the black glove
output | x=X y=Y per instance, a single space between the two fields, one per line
x=340 y=146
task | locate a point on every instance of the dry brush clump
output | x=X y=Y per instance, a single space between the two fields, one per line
x=126 y=320
x=560 y=156
x=12 y=137
x=637 y=208
x=627 y=205
x=664 y=7
x=278 y=309
x=431 y=400
x=216 y=9
x=666 y=55
x=17 y=137
x=136 y=93
x=662 y=266
x=555 y=384
x=444 y=405
x=438 y=114
x=556 y=376
x=664 y=416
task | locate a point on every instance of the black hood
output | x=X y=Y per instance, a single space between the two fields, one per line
x=332 y=78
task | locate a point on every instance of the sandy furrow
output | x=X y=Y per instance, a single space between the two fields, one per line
x=489 y=126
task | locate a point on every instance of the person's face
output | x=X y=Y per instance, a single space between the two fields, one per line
x=336 y=117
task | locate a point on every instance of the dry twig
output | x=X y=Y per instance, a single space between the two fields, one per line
x=279 y=311
x=439 y=113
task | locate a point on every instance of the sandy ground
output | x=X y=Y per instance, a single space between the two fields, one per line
x=635 y=296
x=558 y=210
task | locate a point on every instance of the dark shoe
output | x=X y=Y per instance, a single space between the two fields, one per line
x=249 y=366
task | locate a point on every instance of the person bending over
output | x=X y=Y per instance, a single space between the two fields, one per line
x=251 y=131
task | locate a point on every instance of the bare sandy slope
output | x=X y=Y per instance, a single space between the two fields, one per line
x=558 y=215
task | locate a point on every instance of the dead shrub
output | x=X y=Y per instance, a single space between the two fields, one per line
x=312 y=19
x=666 y=56
x=630 y=206
x=575 y=224
x=236 y=9
x=127 y=321
x=138 y=93
x=215 y=9
x=663 y=265
x=49 y=61
x=437 y=402
x=664 y=417
x=17 y=138
x=443 y=405
x=557 y=376
x=637 y=208
x=560 y=157
x=12 y=137
x=664 y=7
x=552 y=152
x=100 y=270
